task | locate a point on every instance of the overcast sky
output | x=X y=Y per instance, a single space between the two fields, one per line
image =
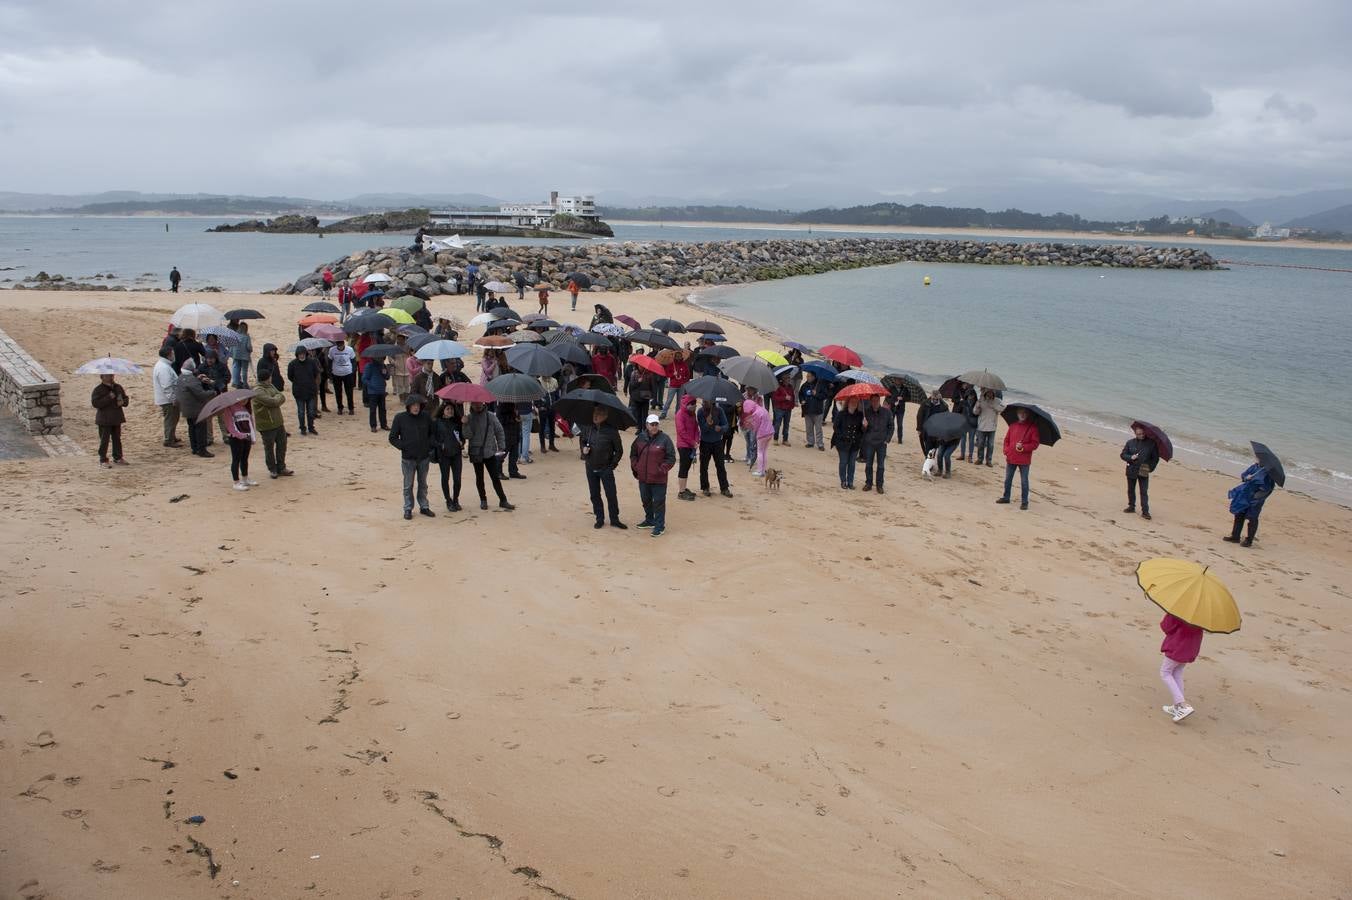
x=683 y=98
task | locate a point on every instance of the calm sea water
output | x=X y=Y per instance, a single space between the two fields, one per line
x=1217 y=358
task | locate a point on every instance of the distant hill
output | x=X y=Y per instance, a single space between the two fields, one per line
x=1332 y=220
x=406 y=201
x=925 y=216
x=694 y=214
x=1230 y=216
x=207 y=206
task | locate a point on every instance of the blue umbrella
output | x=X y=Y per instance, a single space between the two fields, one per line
x=801 y=348
x=821 y=370
x=716 y=338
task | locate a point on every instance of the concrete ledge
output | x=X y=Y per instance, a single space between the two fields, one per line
x=29 y=390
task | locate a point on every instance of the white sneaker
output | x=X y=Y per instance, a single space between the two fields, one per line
x=1182 y=712
x=1171 y=711
x=250 y=482
x=241 y=486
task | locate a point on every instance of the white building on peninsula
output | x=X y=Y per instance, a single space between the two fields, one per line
x=520 y=215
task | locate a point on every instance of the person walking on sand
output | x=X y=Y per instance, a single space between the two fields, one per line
x=713 y=435
x=271 y=424
x=448 y=450
x=687 y=443
x=303 y=373
x=602 y=450
x=1021 y=439
x=1246 y=502
x=174 y=279
x=485 y=445
x=878 y=425
x=109 y=399
x=783 y=402
x=326 y=281
x=162 y=379
x=519 y=279
x=573 y=288
x=812 y=397
x=542 y=299
x=411 y=435
x=1182 y=644
x=241 y=355
x=847 y=434
x=1141 y=456
x=373 y=379
x=756 y=421
x=651 y=457
x=239 y=427
x=192 y=392
x=987 y=409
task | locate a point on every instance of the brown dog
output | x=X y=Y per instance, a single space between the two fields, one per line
x=773 y=479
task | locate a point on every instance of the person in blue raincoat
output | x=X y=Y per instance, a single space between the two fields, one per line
x=1246 y=502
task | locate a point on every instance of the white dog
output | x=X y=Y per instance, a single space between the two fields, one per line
x=931 y=460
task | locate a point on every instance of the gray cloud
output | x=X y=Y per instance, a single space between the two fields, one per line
x=793 y=102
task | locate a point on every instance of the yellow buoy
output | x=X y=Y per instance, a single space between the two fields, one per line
x=927 y=281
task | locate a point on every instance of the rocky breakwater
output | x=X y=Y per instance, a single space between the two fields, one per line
x=648 y=264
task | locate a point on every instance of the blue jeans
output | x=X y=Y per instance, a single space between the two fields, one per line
x=239 y=374
x=848 y=457
x=749 y=435
x=654 y=499
x=596 y=480
x=876 y=454
x=305 y=412
x=944 y=462
x=985 y=446
x=1023 y=480
x=527 y=420
x=673 y=394
x=968 y=443
x=782 y=417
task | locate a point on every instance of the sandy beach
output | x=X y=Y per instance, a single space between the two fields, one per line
x=808 y=693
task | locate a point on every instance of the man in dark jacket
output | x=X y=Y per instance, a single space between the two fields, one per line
x=411 y=432
x=935 y=404
x=602 y=451
x=192 y=392
x=109 y=399
x=188 y=347
x=1141 y=456
x=878 y=425
x=271 y=364
x=303 y=373
x=812 y=399
x=174 y=278
x=651 y=456
x=510 y=417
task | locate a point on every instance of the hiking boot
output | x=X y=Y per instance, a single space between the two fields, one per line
x=503 y=505
x=726 y=493
x=867 y=488
x=407 y=515
x=1231 y=539
x=483 y=504
x=600 y=523
x=1247 y=542
x=1023 y=505
x=1003 y=500
x=427 y=512
x=1146 y=516
x=880 y=489
x=1129 y=509
x=686 y=495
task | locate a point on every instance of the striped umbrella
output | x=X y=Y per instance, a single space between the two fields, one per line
x=109 y=365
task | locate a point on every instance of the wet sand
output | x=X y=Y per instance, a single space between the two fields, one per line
x=802 y=693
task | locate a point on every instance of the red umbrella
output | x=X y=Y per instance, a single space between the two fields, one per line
x=462 y=392
x=1156 y=434
x=327 y=332
x=647 y=362
x=861 y=391
x=630 y=321
x=843 y=355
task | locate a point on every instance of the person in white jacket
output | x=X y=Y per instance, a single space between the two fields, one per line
x=987 y=411
x=164 y=379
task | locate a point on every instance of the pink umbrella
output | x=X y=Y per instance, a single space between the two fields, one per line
x=630 y=321
x=460 y=392
x=327 y=332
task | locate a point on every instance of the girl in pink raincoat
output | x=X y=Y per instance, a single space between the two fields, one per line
x=756 y=419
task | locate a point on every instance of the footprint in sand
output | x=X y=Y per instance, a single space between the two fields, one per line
x=510 y=745
x=596 y=758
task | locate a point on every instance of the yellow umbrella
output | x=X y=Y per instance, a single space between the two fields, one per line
x=1189 y=591
x=397 y=314
x=772 y=358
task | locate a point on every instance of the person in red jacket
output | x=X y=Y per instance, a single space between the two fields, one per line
x=1021 y=439
x=1182 y=643
x=651 y=456
x=678 y=375
x=783 y=401
x=605 y=364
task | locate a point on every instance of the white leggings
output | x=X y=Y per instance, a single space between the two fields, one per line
x=1171 y=673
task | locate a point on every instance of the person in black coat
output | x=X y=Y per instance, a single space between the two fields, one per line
x=448 y=440
x=510 y=417
x=411 y=433
x=1141 y=456
x=188 y=347
x=847 y=435
x=270 y=367
x=935 y=404
x=303 y=373
x=602 y=451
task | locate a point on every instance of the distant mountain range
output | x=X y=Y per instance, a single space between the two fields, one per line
x=1326 y=211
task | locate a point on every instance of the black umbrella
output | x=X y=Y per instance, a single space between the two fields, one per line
x=714 y=389
x=668 y=326
x=1047 y=432
x=1268 y=460
x=722 y=351
x=532 y=359
x=516 y=388
x=416 y=341
x=1162 y=442
x=570 y=352
x=652 y=338
x=503 y=312
x=367 y=322
x=577 y=406
x=239 y=315
x=318 y=306
x=905 y=386
x=705 y=327
x=583 y=280
x=590 y=381
x=946 y=426
x=376 y=351
x=543 y=323
x=596 y=340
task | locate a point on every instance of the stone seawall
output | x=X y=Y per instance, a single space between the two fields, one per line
x=647 y=264
x=28 y=389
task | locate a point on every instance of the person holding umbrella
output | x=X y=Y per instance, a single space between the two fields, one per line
x=1256 y=484
x=987 y=409
x=485 y=443
x=109 y=399
x=934 y=405
x=678 y=376
x=240 y=356
x=239 y=426
x=602 y=451
x=447 y=449
x=411 y=435
x=1021 y=439
x=847 y=432
x=651 y=457
x=878 y=425
x=1141 y=456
